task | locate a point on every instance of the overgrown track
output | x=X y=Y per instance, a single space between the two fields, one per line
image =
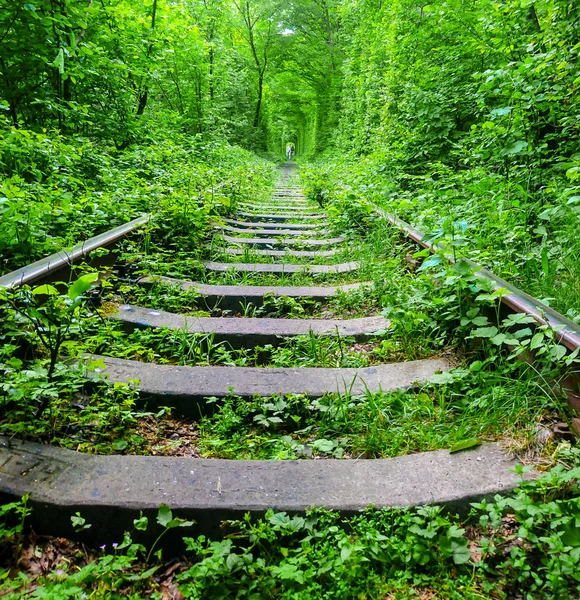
x=112 y=489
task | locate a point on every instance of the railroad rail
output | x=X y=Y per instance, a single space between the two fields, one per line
x=49 y=266
x=112 y=489
x=568 y=331
x=517 y=300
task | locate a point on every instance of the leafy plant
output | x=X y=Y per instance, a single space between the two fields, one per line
x=167 y=521
x=50 y=313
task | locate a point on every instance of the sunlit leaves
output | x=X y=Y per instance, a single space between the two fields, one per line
x=81 y=285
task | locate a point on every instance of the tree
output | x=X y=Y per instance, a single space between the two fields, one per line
x=259 y=33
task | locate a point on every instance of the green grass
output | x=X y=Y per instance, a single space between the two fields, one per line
x=520 y=544
x=165 y=346
x=429 y=316
x=380 y=425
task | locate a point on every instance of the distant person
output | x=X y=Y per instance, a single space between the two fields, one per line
x=289 y=151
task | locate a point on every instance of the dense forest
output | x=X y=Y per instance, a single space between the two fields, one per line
x=460 y=117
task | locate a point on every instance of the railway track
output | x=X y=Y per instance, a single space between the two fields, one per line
x=257 y=254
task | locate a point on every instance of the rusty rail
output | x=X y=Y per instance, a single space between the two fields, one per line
x=567 y=331
x=65 y=258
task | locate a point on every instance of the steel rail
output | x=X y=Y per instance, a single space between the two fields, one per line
x=66 y=258
x=567 y=331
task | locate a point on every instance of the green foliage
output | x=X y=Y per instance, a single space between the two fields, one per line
x=12 y=517
x=539 y=554
x=463 y=112
x=460 y=117
x=51 y=315
x=79 y=523
x=58 y=192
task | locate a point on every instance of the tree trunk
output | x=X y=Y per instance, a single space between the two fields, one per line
x=210 y=74
x=259 y=103
x=144 y=96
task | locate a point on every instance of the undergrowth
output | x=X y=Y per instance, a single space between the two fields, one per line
x=526 y=238
x=57 y=191
x=490 y=395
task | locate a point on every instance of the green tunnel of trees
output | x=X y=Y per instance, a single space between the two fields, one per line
x=255 y=73
x=421 y=81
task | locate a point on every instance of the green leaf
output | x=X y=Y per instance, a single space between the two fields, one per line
x=81 y=285
x=430 y=263
x=537 y=340
x=505 y=110
x=480 y=321
x=288 y=572
x=148 y=573
x=324 y=445
x=545 y=262
x=345 y=553
x=557 y=352
x=546 y=215
x=498 y=339
x=489 y=298
x=184 y=523
x=141 y=523
x=455 y=532
x=45 y=290
x=517 y=318
x=441 y=378
x=476 y=366
x=164 y=515
x=79 y=523
x=462 y=267
x=464 y=445
x=522 y=333
x=485 y=332
x=515 y=147
x=461 y=552
x=280 y=519
x=573 y=173
x=120 y=445
x=571 y=534
x=59 y=61
x=233 y=561
x=485 y=284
